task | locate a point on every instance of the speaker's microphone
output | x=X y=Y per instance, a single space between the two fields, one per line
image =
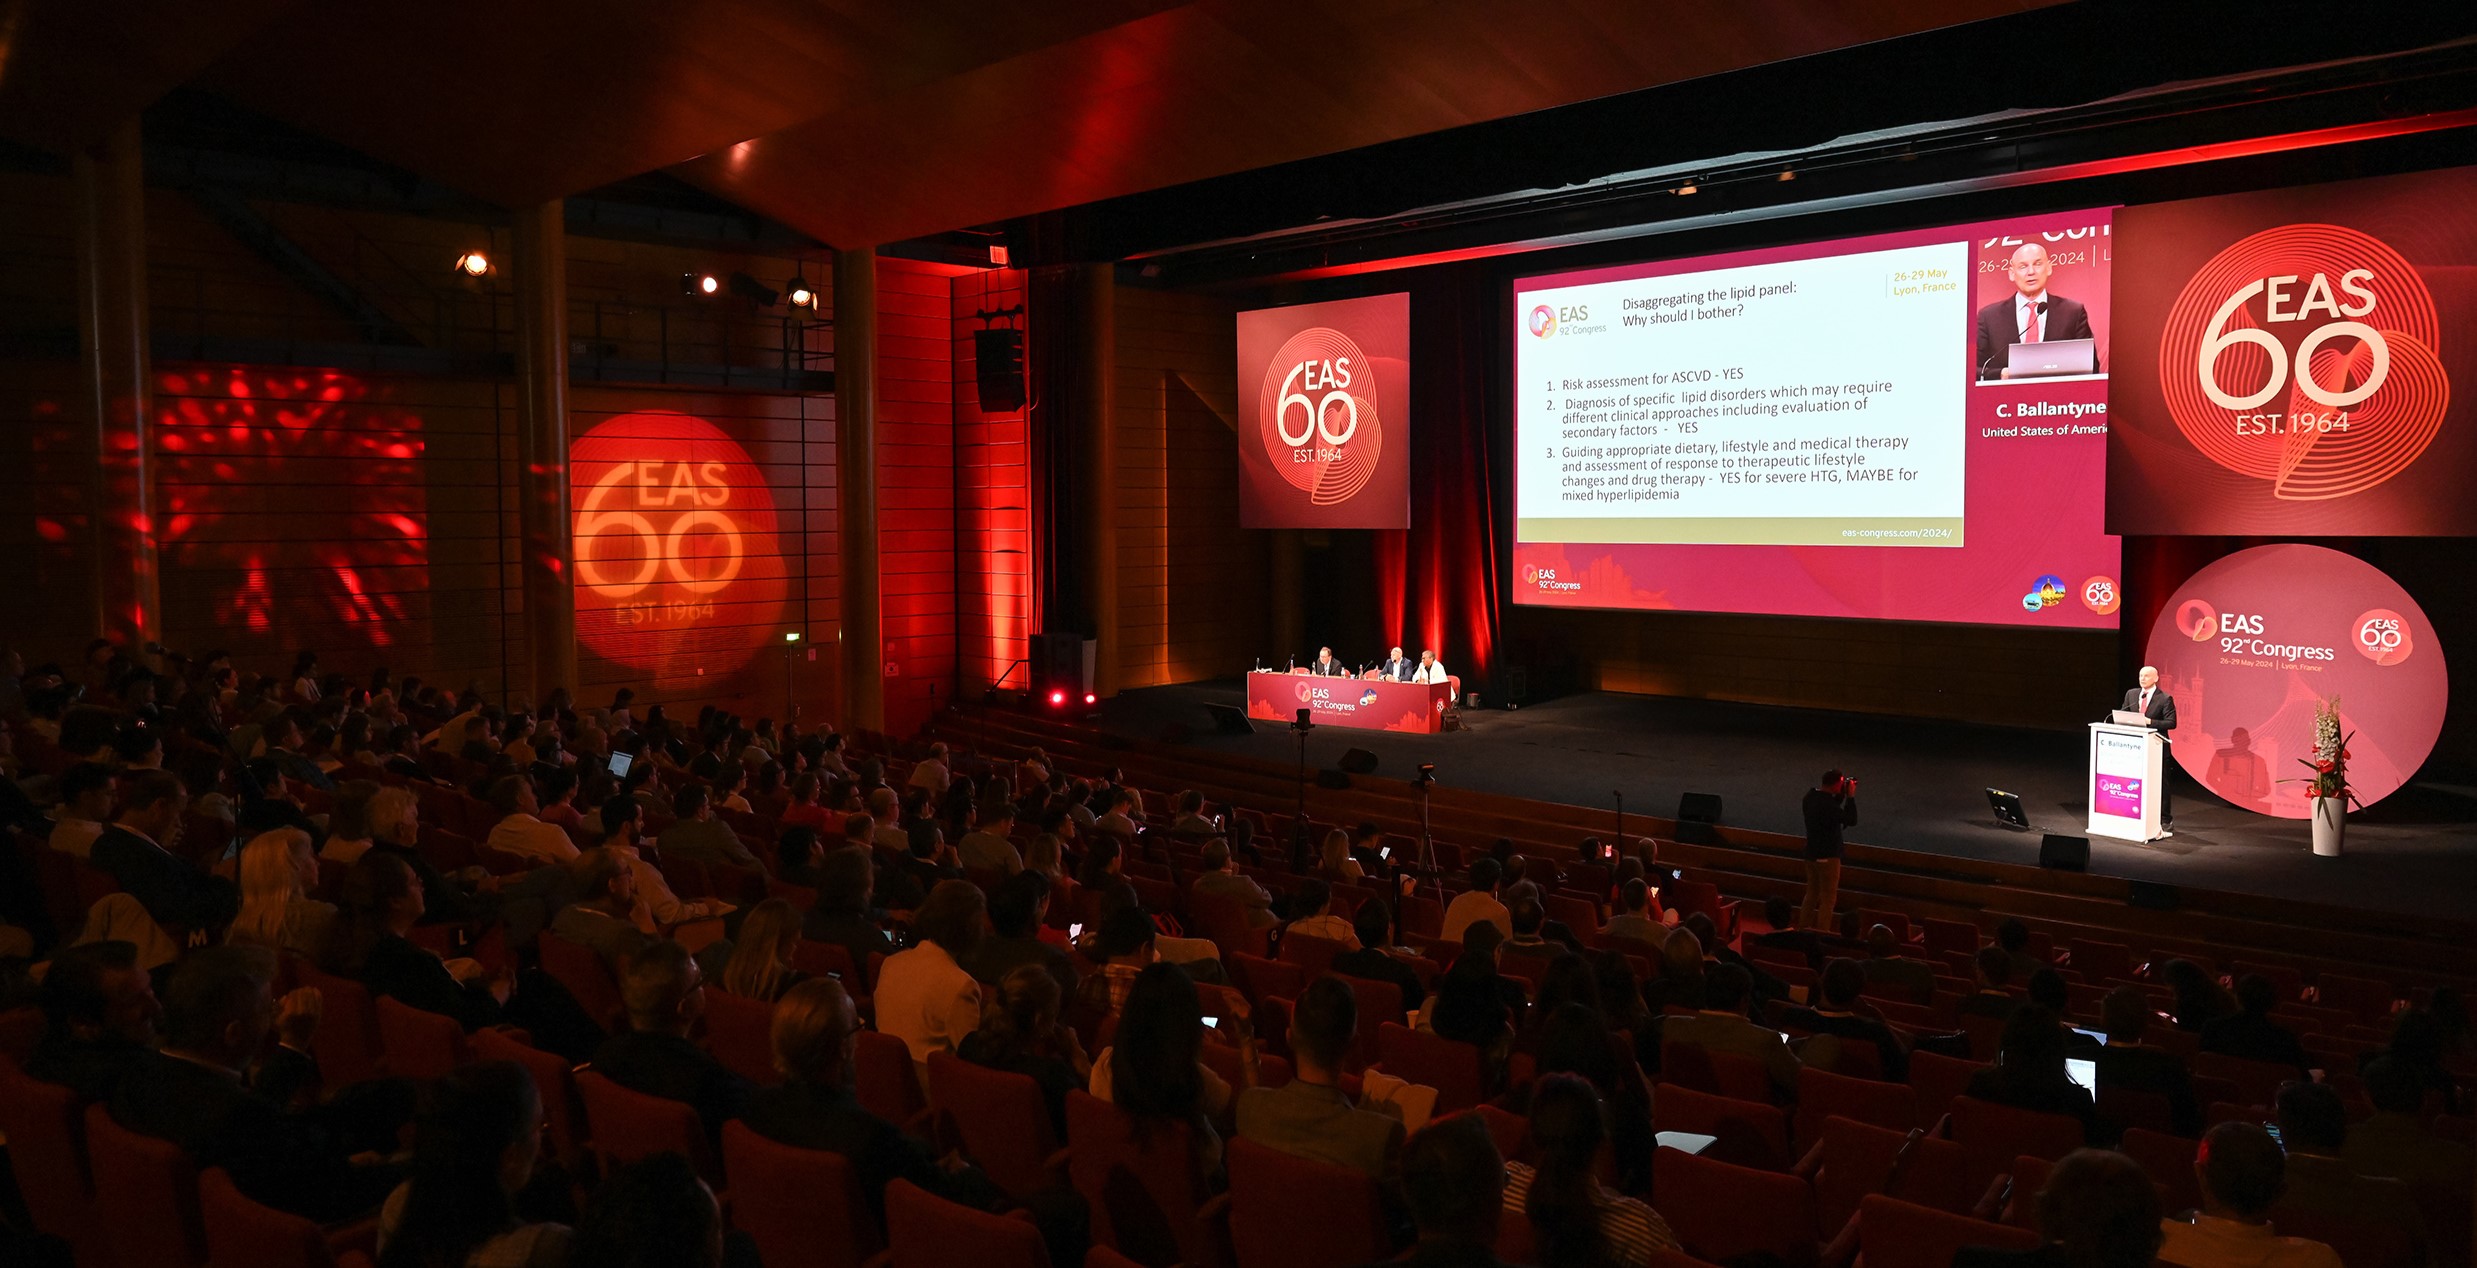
x=2042 y=308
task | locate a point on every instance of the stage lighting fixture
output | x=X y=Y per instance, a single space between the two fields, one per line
x=1057 y=699
x=798 y=291
x=1091 y=699
x=473 y=264
x=699 y=285
x=997 y=255
x=1689 y=188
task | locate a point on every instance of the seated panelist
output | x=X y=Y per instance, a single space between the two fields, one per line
x=1324 y=666
x=1396 y=668
x=1429 y=670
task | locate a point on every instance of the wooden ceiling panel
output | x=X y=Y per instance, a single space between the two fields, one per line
x=1223 y=86
x=72 y=70
x=522 y=102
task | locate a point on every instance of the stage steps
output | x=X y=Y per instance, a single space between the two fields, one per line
x=2213 y=926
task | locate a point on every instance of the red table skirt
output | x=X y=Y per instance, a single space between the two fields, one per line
x=1354 y=702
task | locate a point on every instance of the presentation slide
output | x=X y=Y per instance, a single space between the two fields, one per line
x=1910 y=426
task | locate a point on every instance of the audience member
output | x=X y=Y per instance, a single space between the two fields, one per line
x=2325 y=1193
x=1575 y=1220
x=86 y=793
x=1994 y=996
x=1635 y=920
x=382 y=903
x=1453 y=1180
x=1221 y=878
x=1888 y=970
x=798 y=857
x=1838 y=1015
x=1021 y=1034
x=2097 y=1210
x=2199 y=999
x=99 y=1013
x=987 y=846
x=212 y=1092
x=2128 y=1065
x=137 y=850
x=600 y=918
x=1720 y=1024
x=521 y=832
x=2013 y=938
x=1372 y=961
x=2250 y=1033
x=1678 y=978
x=924 y=995
x=1154 y=1069
x=2029 y=1073
x=1312 y=904
x=474 y=1150
x=1477 y=903
x=1311 y=1116
x=2396 y=1144
x=1016 y=908
x=665 y=994
x=2242 y=1173
x=696 y=834
x=277 y=873
x=760 y=964
x=395 y=831
x=656 y=1213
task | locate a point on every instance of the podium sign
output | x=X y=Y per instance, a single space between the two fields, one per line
x=2127 y=764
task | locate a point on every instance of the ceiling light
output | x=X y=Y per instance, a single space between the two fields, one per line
x=797 y=290
x=699 y=285
x=473 y=264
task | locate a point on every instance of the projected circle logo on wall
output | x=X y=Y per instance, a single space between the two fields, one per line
x=2252 y=642
x=2308 y=355
x=1321 y=425
x=677 y=568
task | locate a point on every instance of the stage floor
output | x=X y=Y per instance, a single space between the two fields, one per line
x=1920 y=787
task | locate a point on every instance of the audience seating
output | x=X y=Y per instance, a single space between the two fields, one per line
x=2256 y=1082
x=625 y=1126
x=1451 y=1068
x=239 y=1231
x=740 y=1034
x=347 y=1040
x=1822 y=1095
x=1748 y=1133
x=1995 y=1134
x=45 y=1130
x=1897 y=1234
x=926 y=1231
x=1288 y=1212
x=1855 y=1159
x=1001 y=1119
x=146 y=1195
x=1938 y=1081
x=1720 y=1211
x=416 y=1044
x=803 y=1207
x=1261 y=979
x=551 y=1078
x=885 y=1081
x=1146 y=1201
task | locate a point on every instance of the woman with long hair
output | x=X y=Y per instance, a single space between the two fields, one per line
x=1154 y=1068
x=760 y=965
x=277 y=872
x=474 y=1150
x=1575 y=1221
x=1046 y=855
x=1333 y=861
x=1021 y=1034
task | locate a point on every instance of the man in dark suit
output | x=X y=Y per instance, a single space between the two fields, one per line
x=1324 y=666
x=1397 y=667
x=2029 y=314
x=211 y=1093
x=2251 y=1034
x=2152 y=701
x=99 y=1008
x=665 y=993
x=136 y=850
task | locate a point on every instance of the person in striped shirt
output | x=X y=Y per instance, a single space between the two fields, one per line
x=1574 y=1220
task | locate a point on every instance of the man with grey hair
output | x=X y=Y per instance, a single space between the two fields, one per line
x=2152 y=701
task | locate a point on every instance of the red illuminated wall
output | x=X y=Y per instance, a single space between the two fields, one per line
x=996 y=592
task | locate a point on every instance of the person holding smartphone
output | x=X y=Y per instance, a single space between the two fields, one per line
x=1831 y=805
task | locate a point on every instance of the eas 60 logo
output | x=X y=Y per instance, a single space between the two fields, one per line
x=2306 y=355
x=2381 y=636
x=1322 y=423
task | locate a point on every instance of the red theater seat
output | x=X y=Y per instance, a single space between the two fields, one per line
x=1002 y=1120
x=147 y=1195
x=1897 y=1234
x=1720 y=1212
x=1288 y=1212
x=925 y=1231
x=802 y=1207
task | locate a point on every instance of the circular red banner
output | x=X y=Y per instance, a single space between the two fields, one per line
x=2252 y=642
x=678 y=573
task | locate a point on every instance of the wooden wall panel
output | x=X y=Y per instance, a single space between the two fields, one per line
x=916 y=489
x=1192 y=584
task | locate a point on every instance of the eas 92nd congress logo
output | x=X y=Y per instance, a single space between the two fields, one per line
x=1320 y=415
x=2309 y=356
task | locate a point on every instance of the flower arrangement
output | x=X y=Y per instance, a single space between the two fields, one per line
x=2329 y=763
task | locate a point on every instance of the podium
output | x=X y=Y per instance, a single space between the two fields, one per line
x=2128 y=770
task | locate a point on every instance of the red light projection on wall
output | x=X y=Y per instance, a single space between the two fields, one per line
x=678 y=571
x=248 y=459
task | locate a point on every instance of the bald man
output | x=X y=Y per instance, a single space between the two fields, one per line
x=2029 y=315
x=2152 y=701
